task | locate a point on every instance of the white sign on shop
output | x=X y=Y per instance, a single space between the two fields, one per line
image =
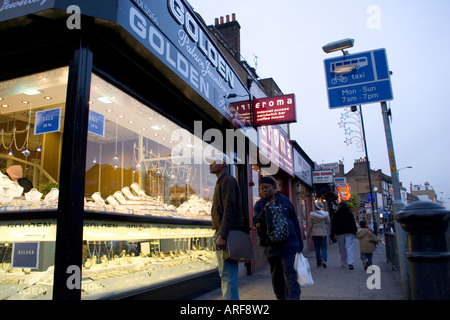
x=323 y=176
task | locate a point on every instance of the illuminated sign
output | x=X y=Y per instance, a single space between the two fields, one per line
x=274 y=110
x=275 y=146
x=344 y=192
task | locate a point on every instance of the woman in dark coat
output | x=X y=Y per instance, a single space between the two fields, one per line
x=281 y=256
x=344 y=227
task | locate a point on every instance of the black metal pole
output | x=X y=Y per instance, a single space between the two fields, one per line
x=375 y=226
x=426 y=224
x=69 y=244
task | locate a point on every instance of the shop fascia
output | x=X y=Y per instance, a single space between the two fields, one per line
x=190 y=30
x=195 y=33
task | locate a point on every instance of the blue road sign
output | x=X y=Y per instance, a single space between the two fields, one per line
x=359 y=78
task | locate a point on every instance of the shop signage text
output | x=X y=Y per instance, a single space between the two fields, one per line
x=274 y=110
x=323 y=176
x=16 y=8
x=302 y=168
x=277 y=147
x=266 y=111
x=47 y=121
x=207 y=49
x=173 y=34
x=356 y=79
x=25 y=255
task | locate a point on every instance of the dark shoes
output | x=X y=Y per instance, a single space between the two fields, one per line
x=350 y=267
x=324 y=264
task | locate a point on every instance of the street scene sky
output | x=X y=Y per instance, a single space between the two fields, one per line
x=283 y=40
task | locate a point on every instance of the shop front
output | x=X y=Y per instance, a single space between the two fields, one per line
x=108 y=112
x=304 y=187
x=276 y=158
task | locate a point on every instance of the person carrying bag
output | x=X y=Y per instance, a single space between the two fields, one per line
x=228 y=221
x=279 y=249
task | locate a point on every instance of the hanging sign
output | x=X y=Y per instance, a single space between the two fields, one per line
x=274 y=110
x=47 y=121
x=96 y=123
x=344 y=192
x=322 y=176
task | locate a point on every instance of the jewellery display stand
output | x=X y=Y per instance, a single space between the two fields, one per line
x=112 y=275
x=12 y=197
x=127 y=258
x=138 y=203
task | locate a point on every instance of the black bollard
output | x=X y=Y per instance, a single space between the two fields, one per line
x=426 y=223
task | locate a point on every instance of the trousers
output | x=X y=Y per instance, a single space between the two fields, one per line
x=320 y=246
x=345 y=242
x=284 y=277
x=228 y=271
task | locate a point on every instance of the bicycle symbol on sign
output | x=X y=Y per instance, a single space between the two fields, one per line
x=338 y=78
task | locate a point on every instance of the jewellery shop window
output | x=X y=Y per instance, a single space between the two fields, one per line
x=140 y=163
x=31 y=116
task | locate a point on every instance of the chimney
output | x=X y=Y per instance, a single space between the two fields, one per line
x=231 y=32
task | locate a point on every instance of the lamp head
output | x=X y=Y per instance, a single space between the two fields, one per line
x=338 y=45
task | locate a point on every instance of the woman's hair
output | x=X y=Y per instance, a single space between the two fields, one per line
x=363 y=223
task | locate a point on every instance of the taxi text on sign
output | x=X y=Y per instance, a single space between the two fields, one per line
x=357 y=79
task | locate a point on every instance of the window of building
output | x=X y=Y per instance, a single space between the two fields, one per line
x=141 y=164
x=31 y=126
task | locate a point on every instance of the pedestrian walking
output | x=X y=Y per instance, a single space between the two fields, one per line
x=281 y=255
x=343 y=226
x=226 y=214
x=318 y=229
x=367 y=243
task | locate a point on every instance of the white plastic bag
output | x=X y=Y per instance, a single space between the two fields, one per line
x=303 y=271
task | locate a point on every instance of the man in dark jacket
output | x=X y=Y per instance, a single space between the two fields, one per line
x=344 y=227
x=281 y=256
x=226 y=214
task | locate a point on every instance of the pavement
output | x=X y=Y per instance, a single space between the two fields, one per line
x=331 y=283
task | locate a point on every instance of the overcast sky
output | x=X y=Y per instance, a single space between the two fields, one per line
x=284 y=39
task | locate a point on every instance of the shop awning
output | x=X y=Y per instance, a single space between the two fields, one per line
x=325 y=190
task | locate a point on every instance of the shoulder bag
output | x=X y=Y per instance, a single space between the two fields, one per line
x=239 y=247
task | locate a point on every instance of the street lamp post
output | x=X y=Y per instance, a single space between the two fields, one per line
x=398 y=204
x=374 y=218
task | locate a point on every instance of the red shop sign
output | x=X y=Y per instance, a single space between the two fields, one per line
x=274 y=110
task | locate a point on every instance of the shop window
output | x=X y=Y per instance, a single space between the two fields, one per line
x=31 y=125
x=131 y=165
x=133 y=169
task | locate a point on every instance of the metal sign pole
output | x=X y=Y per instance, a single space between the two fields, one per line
x=374 y=219
x=397 y=204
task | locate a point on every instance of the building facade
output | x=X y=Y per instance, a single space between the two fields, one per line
x=382 y=192
x=105 y=108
